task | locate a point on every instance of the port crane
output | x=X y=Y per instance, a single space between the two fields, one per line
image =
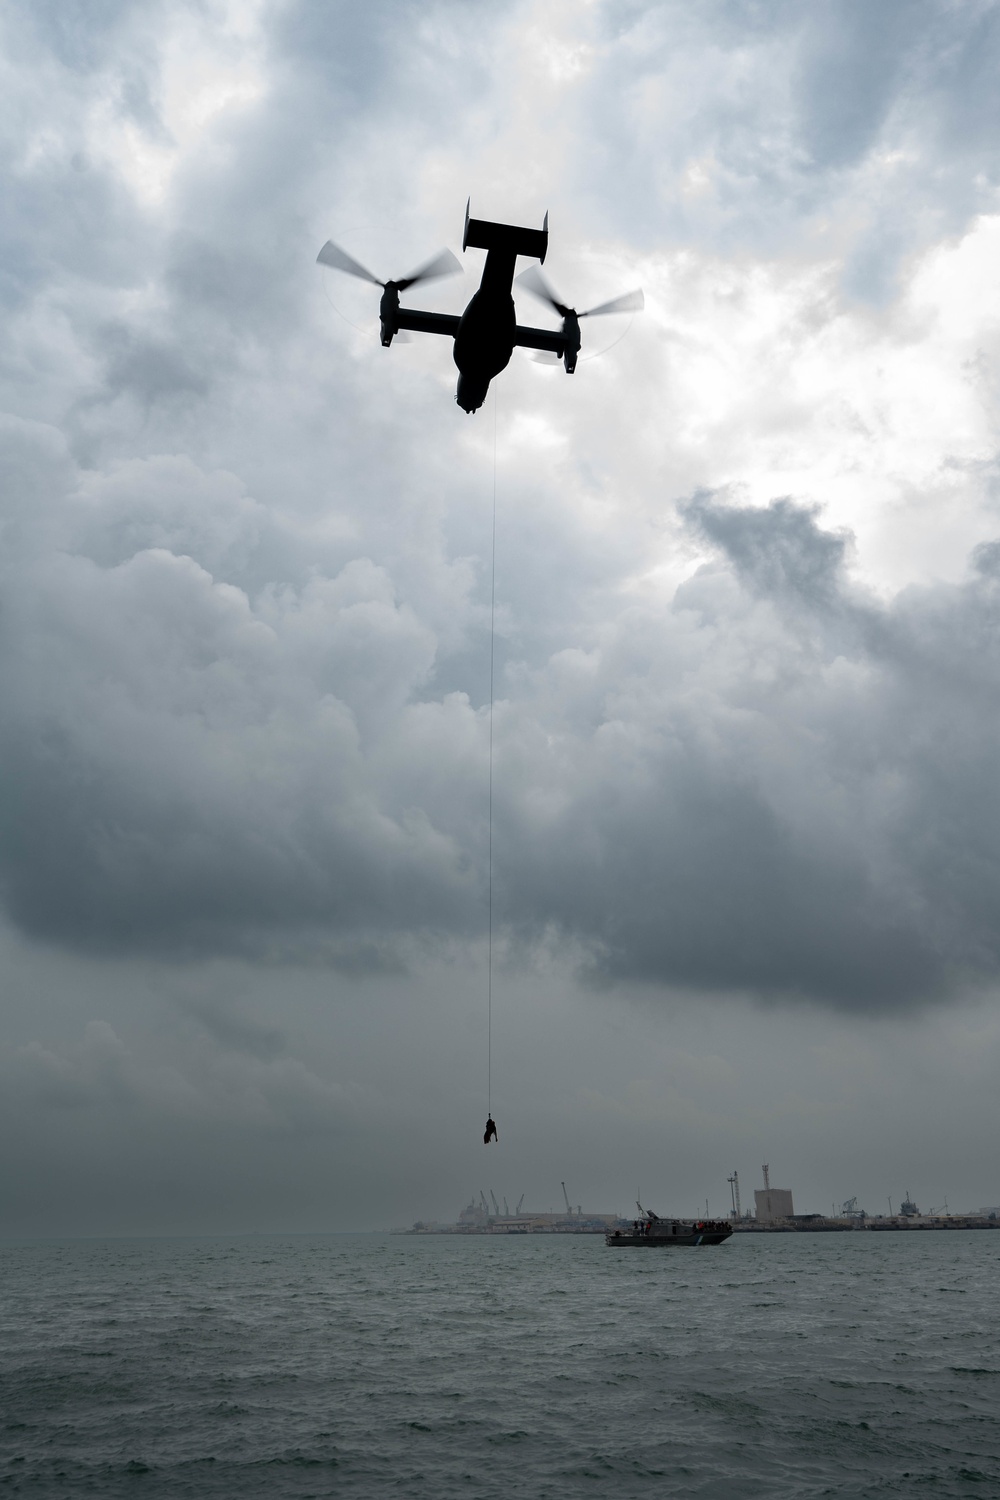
x=494 y=1212
x=569 y=1206
x=734 y=1188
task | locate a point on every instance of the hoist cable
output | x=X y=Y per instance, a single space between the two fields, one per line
x=489 y=855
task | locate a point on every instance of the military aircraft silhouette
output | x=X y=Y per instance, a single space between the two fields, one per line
x=487 y=333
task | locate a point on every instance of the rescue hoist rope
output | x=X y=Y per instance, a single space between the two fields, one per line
x=489 y=854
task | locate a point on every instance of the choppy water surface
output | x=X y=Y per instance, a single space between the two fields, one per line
x=778 y=1365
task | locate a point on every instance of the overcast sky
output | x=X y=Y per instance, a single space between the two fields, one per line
x=746 y=814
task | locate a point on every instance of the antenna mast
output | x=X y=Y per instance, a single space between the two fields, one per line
x=734 y=1188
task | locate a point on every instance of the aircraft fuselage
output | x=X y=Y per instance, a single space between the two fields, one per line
x=486 y=332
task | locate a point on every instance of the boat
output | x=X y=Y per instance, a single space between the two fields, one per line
x=650 y=1230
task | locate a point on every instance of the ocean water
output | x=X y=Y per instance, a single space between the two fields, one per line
x=774 y=1365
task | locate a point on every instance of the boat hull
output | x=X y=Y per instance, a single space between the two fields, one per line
x=666 y=1234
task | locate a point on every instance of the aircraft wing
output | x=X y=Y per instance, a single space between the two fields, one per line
x=427 y=322
x=540 y=338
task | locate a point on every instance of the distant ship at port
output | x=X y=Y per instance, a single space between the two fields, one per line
x=482 y=1218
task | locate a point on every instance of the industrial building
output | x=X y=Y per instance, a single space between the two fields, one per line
x=772 y=1203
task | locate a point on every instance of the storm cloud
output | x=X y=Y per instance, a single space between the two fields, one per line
x=244 y=612
x=767 y=778
x=745 y=821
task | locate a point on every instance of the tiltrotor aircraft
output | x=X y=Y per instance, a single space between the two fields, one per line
x=487 y=332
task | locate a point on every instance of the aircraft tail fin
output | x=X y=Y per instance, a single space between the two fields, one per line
x=484 y=235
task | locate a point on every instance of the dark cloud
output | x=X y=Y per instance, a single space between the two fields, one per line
x=743 y=744
x=244 y=595
x=875 y=129
x=775 y=552
x=133 y=814
x=773 y=781
x=81 y=35
x=801 y=803
x=236 y=1032
x=853 y=60
x=146 y=368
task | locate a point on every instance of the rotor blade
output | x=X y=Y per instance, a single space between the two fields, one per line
x=630 y=302
x=332 y=255
x=444 y=264
x=402 y=337
x=534 y=282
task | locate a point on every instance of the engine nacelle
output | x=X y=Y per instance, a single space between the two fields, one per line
x=388 y=312
x=571 y=334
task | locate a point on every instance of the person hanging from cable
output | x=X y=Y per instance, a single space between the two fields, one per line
x=491 y=1132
